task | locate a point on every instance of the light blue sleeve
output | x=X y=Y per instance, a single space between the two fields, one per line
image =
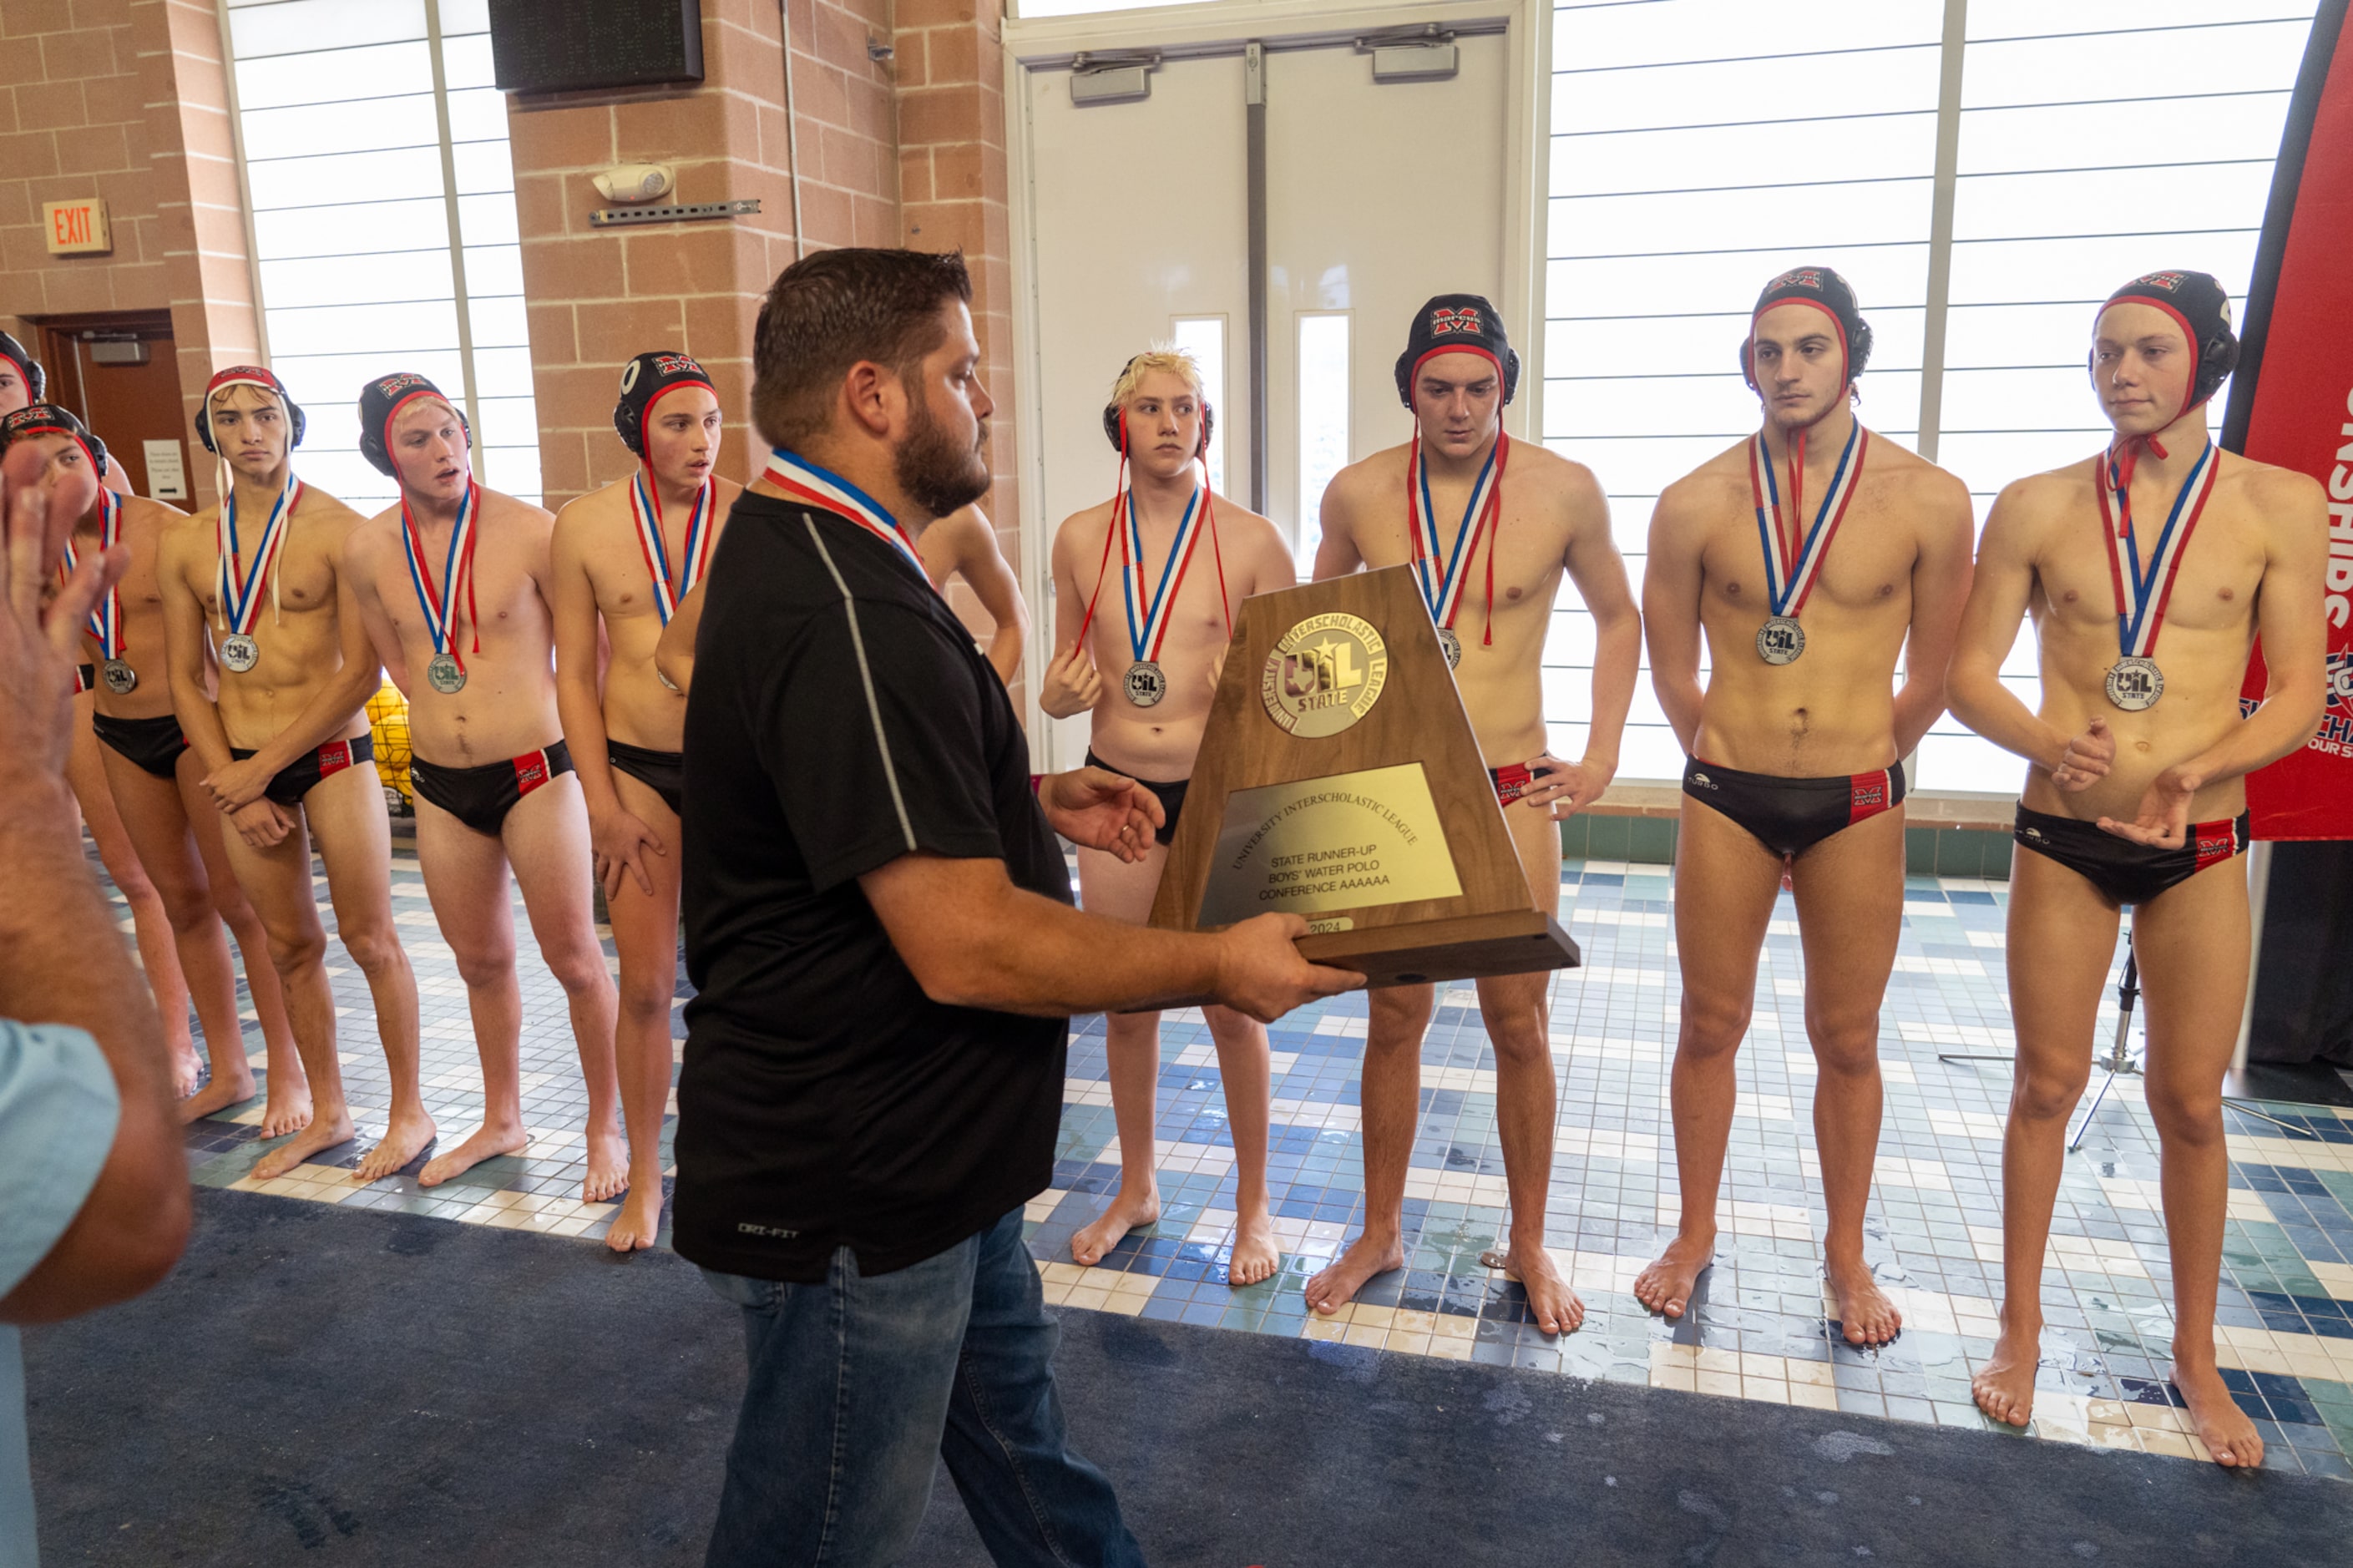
x=57 y=1114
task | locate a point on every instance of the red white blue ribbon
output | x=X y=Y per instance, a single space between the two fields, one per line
x=2142 y=595
x=241 y=589
x=1147 y=634
x=442 y=607
x=1440 y=571
x=1792 y=566
x=106 y=615
x=797 y=475
x=645 y=508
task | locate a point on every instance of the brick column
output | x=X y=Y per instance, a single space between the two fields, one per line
x=954 y=194
x=125 y=99
x=596 y=297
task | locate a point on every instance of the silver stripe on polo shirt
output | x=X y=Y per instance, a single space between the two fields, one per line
x=865 y=674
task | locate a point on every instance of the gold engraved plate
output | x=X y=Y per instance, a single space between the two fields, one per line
x=1349 y=841
x=1325 y=674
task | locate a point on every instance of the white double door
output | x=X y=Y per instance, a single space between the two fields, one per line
x=1135 y=223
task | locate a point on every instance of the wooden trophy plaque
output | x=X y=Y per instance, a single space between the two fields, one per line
x=1338 y=780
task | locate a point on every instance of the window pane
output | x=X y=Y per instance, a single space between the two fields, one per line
x=301 y=26
x=387 y=71
x=403 y=174
x=1204 y=337
x=1325 y=412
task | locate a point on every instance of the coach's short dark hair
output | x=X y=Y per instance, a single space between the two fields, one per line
x=828 y=311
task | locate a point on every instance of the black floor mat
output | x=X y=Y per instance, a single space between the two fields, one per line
x=325 y=1386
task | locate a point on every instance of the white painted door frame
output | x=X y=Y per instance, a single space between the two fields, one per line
x=1226 y=26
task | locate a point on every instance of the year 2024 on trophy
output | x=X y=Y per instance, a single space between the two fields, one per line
x=1338 y=780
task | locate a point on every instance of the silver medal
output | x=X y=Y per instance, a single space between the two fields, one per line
x=1145 y=683
x=1450 y=646
x=2134 y=683
x=1780 y=639
x=239 y=652
x=121 y=678
x=448 y=678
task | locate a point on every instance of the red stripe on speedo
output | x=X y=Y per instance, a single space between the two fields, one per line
x=1869 y=796
x=334 y=757
x=530 y=770
x=2214 y=842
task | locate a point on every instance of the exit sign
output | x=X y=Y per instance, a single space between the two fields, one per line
x=77 y=229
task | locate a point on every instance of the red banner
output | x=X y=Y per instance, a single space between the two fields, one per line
x=2292 y=405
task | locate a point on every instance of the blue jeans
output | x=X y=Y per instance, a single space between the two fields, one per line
x=858 y=1384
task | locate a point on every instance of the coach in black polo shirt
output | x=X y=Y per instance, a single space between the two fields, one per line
x=878 y=922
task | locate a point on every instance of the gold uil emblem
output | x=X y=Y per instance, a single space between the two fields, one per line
x=1325 y=674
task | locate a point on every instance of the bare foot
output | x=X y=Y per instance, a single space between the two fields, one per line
x=287 y=1109
x=2222 y=1426
x=1553 y=1305
x=218 y=1095
x=1868 y=1316
x=1667 y=1286
x=2004 y=1387
x=487 y=1143
x=1257 y=1255
x=317 y=1135
x=639 y=1221
x=402 y=1142
x=1367 y=1256
x=609 y=1166
x=1096 y=1238
x=187 y=1070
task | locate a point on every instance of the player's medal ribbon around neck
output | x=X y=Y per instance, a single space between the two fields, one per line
x=821 y=487
x=1439 y=572
x=1792 y=566
x=645 y=511
x=445 y=671
x=239 y=589
x=106 y=615
x=1145 y=683
x=2135 y=682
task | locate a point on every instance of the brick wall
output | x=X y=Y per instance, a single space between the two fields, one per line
x=125 y=99
x=954 y=195
x=598 y=296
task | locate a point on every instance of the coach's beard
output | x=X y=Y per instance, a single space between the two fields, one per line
x=933 y=470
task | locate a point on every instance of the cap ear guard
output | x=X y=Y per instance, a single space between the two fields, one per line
x=36 y=376
x=249 y=376
x=1116 y=427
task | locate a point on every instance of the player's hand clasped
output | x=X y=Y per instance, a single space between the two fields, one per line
x=1072 y=683
x=619 y=841
x=2163 y=822
x=238 y=784
x=2087 y=758
x=1562 y=789
x=1102 y=810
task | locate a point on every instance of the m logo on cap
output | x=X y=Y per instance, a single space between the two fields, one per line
x=1799 y=277
x=676 y=364
x=392 y=385
x=2169 y=281
x=1465 y=320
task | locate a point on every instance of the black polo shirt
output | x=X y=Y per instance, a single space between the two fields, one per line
x=840 y=717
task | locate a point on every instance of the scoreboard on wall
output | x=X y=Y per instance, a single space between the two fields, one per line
x=577 y=45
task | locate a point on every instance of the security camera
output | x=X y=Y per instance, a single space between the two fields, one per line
x=636 y=182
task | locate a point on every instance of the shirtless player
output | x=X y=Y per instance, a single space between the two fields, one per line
x=2149 y=570
x=962 y=544
x=624 y=557
x=1796 y=747
x=272 y=712
x=23 y=381
x=150 y=778
x=452 y=582
x=1464 y=503
x=1156 y=579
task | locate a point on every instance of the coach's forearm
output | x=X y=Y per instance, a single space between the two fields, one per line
x=1035 y=955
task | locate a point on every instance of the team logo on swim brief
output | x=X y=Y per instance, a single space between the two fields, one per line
x=2169 y=281
x=1443 y=322
x=1701 y=779
x=1873 y=793
x=392 y=385
x=1798 y=277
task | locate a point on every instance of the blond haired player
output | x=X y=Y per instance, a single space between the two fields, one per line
x=1146 y=585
